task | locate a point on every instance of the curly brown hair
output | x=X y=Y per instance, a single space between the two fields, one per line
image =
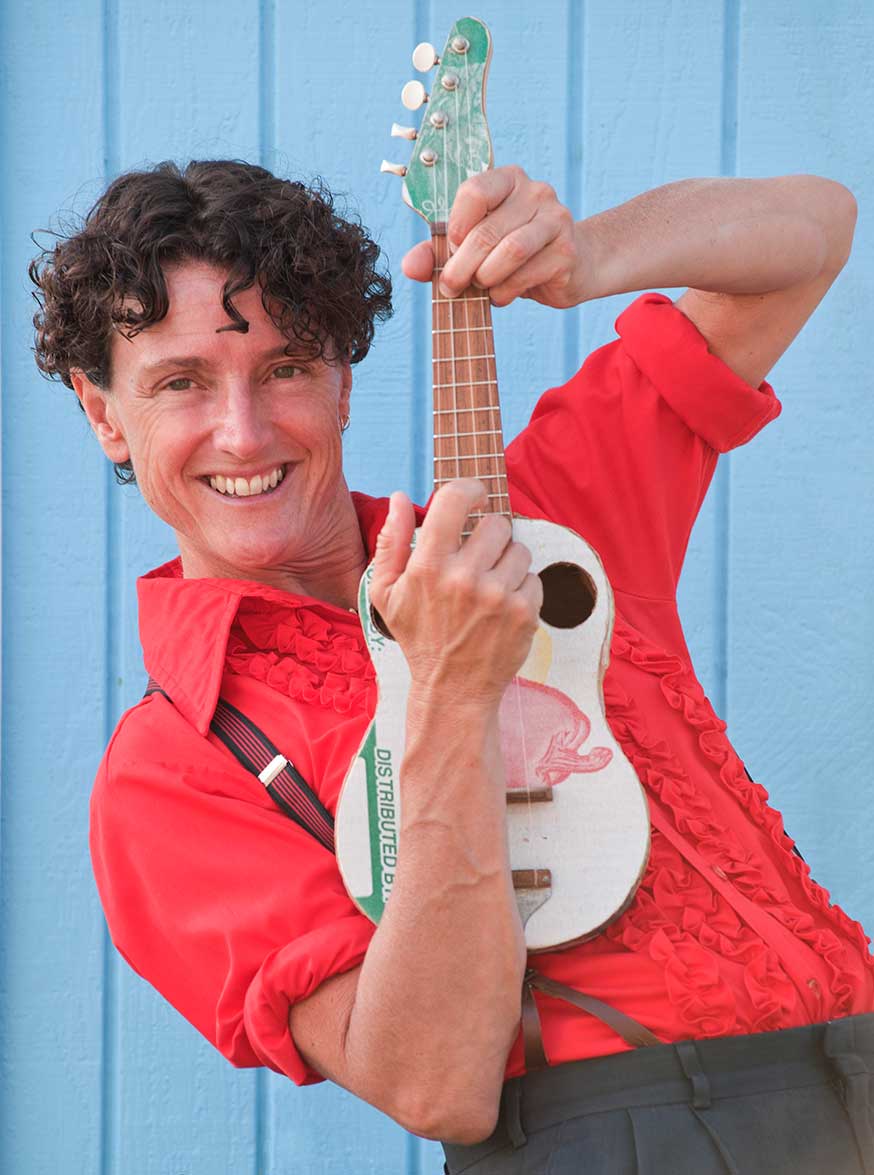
x=318 y=271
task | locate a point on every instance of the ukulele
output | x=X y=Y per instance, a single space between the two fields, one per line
x=577 y=816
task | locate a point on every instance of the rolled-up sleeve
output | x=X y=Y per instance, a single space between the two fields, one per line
x=224 y=905
x=705 y=393
x=624 y=452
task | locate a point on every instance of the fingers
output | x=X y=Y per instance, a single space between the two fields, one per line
x=488 y=236
x=487 y=543
x=393 y=545
x=545 y=277
x=502 y=223
x=476 y=198
x=441 y=531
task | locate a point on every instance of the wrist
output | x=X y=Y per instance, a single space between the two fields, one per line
x=438 y=708
x=594 y=255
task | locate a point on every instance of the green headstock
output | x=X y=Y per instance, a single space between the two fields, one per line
x=453 y=141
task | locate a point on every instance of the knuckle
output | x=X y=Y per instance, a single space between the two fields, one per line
x=462 y=582
x=514 y=249
x=486 y=235
x=521 y=612
x=565 y=216
x=516 y=172
x=565 y=247
x=544 y=192
x=524 y=554
x=496 y=525
x=492 y=595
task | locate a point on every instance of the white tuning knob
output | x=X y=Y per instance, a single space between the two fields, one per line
x=413 y=95
x=394 y=168
x=403 y=132
x=425 y=57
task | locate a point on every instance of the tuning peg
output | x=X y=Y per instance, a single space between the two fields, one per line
x=425 y=57
x=403 y=132
x=413 y=95
x=394 y=168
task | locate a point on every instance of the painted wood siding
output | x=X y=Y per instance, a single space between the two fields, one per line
x=605 y=98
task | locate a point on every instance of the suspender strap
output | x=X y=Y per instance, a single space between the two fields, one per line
x=256 y=753
x=631 y=1031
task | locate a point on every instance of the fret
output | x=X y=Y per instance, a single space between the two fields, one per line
x=468 y=383
x=478 y=514
x=456 y=330
x=483 y=432
x=471 y=408
x=443 y=480
x=461 y=300
x=472 y=457
x=460 y=358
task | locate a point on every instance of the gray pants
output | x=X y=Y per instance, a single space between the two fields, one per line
x=796 y=1102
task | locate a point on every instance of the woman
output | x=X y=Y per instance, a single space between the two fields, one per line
x=208 y=322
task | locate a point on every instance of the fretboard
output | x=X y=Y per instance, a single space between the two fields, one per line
x=468 y=438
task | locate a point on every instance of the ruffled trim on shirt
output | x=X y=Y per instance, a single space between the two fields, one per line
x=302 y=654
x=706 y=923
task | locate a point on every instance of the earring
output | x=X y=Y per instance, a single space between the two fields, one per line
x=344 y=422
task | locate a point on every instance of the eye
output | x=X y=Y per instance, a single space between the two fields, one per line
x=287 y=371
x=182 y=384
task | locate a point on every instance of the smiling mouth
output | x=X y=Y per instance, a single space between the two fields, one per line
x=243 y=487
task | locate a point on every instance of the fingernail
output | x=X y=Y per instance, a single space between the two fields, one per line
x=445 y=290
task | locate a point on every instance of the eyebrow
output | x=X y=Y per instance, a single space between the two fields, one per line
x=198 y=361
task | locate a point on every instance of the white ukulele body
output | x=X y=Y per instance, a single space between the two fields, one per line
x=577 y=816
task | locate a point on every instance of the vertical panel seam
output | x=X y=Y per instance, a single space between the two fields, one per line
x=421 y=421
x=722 y=560
x=267 y=80
x=574 y=162
x=420 y=417
x=109 y=1068
x=266 y=152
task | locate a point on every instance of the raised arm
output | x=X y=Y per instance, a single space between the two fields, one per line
x=758 y=255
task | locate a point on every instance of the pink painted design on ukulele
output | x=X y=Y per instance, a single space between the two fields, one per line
x=541 y=731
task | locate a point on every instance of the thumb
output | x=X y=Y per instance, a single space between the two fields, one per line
x=392 y=546
x=418 y=263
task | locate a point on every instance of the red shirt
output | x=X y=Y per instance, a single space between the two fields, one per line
x=233 y=912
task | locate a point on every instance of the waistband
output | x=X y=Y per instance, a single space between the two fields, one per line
x=693 y=1072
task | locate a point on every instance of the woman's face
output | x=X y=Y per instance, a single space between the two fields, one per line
x=199 y=410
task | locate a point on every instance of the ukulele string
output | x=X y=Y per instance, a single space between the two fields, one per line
x=492 y=436
x=451 y=322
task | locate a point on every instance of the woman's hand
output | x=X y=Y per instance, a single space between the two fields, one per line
x=464 y=614
x=509 y=235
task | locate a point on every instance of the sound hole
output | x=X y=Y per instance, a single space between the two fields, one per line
x=379 y=624
x=569 y=595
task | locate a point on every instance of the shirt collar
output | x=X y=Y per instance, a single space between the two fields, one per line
x=185 y=623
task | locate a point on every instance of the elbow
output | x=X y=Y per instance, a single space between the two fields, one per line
x=840 y=226
x=464 y=1123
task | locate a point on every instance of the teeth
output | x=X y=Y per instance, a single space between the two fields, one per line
x=243 y=488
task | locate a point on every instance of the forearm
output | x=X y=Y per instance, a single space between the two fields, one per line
x=438 y=1000
x=734 y=236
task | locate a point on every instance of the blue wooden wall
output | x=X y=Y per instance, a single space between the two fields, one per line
x=604 y=98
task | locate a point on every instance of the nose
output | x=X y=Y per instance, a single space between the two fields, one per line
x=242 y=426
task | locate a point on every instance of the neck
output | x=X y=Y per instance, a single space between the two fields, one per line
x=468 y=437
x=329 y=570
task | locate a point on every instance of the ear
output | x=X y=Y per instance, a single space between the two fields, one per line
x=102 y=413
x=345 y=388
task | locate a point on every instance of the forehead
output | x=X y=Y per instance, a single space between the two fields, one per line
x=197 y=321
